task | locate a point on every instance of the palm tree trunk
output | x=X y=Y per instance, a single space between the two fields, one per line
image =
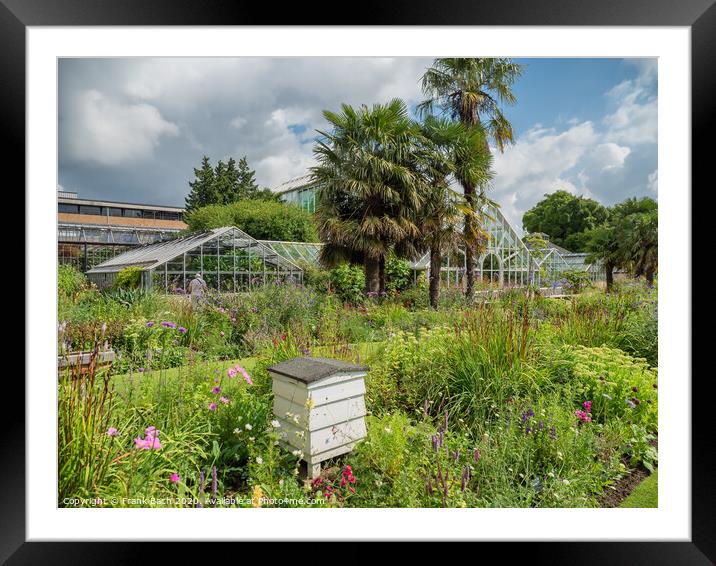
x=372 y=275
x=609 y=268
x=436 y=261
x=649 y=276
x=469 y=243
x=381 y=275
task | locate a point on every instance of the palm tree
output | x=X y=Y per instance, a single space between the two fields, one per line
x=471 y=91
x=628 y=240
x=640 y=239
x=453 y=151
x=369 y=187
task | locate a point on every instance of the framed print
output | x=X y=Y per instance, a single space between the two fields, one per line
x=403 y=271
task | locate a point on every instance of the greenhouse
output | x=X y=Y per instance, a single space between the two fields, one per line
x=230 y=261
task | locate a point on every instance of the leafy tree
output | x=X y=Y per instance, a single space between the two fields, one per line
x=370 y=188
x=471 y=91
x=565 y=218
x=260 y=219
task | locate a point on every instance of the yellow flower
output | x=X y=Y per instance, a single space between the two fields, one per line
x=256 y=496
x=310 y=403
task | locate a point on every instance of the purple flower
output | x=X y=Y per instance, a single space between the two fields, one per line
x=631 y=403
x=182 y=330
x=212 y=406
x=553 y=433
x=111 y=431
x=476 y=455
x=150 y=324
x=435 y=443
x=216 y=390
x=141 y=370
x=169 y=324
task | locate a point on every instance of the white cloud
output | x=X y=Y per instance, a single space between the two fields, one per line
x=610 y=155
x=634 y=119
x=537 y=164
x=110 y=133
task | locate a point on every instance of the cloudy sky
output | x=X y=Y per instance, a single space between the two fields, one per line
x=132 y=130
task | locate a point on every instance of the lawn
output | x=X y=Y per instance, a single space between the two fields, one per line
x=646 y=494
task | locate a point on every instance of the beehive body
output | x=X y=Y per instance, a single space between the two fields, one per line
x=321 y=418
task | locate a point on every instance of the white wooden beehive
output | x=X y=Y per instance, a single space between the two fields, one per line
x=320 y=406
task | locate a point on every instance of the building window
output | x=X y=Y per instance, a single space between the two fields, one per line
x=67 y=208
x=132 y=213
x=95 y=210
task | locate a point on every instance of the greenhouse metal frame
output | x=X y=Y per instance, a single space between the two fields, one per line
x=228 y=259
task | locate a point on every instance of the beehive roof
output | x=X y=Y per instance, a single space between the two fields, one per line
x=308 y=370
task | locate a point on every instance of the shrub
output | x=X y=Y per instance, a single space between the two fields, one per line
x=260 y=219
x=69 y=282
x=348 y=282
x=128 y=278
x=577 y=280
x=618 y=385
x=398 y=274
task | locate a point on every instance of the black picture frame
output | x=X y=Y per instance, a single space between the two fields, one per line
x=699 y=15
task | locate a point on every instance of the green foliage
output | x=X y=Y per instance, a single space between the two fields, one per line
x=618 y=385
x=69 y=282
x=348 y=282
x=398 y=274
x=263 y=220
x=577 y=280
x=128 y=278
x=565 y=217
x=641 y=450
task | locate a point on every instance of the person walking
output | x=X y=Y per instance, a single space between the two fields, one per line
x=197 y=289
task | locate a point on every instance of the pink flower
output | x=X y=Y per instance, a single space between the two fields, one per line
x=583 y=416
x=212 y=406
x=216 y=390
x=244 y=373
x=174 y=478
x=111 y=431
x=224 y=400
x=231 y=372
x=151 y=431
x=148 y=443
x=587 y=405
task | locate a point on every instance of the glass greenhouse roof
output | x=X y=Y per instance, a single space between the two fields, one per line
x=153 y=255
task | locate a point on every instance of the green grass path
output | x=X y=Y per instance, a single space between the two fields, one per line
x=646 y=493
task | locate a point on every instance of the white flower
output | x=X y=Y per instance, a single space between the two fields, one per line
x=275 y=423
x=251 y=438
x=237 y=431
x=248 y=426
x=388 y=429
x=565 y=482
x=259 y=460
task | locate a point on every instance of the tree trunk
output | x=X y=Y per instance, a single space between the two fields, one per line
x=649 y=276
x=381 y=276
x=372 y=275
x=469 y=243
x=436 y=261
x=609 y=268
